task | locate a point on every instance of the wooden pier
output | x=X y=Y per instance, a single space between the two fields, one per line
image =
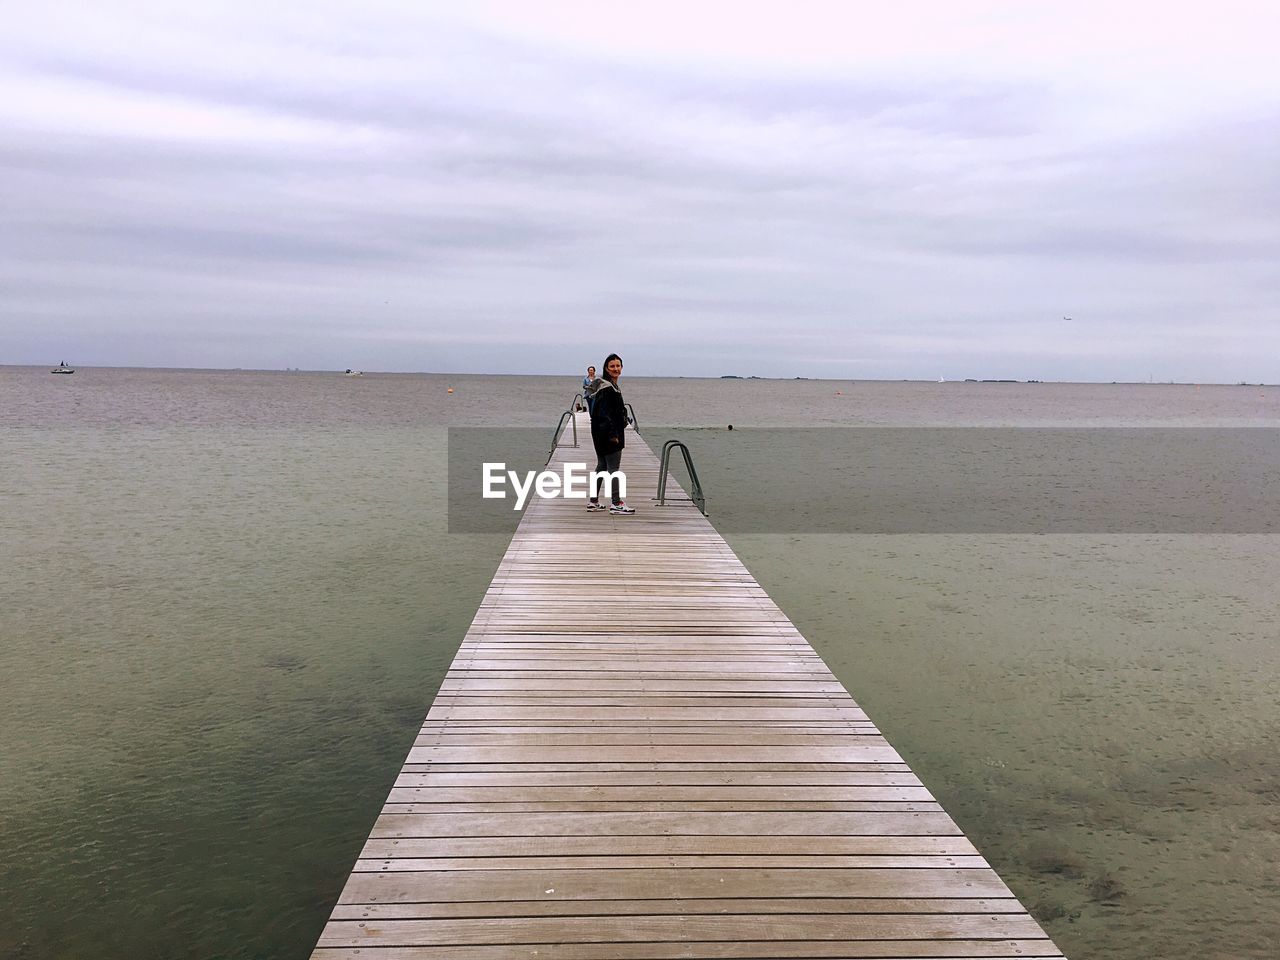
x=636 y=755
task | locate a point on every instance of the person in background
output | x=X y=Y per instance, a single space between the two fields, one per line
x=589 y=379
x=608 y=430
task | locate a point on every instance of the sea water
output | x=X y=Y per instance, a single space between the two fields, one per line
x=229 y=597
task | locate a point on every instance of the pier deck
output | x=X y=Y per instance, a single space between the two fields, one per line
x=635 y=754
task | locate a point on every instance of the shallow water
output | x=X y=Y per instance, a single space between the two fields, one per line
x=229 y=598
x=1098 y=713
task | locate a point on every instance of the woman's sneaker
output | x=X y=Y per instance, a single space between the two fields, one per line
x=593 y=505
x=621 y=507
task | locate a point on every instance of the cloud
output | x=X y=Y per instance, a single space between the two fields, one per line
x=907 y=191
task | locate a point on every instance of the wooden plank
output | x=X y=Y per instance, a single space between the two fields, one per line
x=680 y=883
x=677 y=929
x=948 y=949
x=665 y=792
x=666 y=845
x=685 y=714
x=814 y=728
x=687 y=779
x=666 y=806
x=650 y=700
x=540 y=864
x=849 y=751
x=692 y=822
x=707 y=905
x=592 y=777
x=660 y=767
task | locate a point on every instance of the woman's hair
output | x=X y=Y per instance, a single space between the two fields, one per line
x=605 y=368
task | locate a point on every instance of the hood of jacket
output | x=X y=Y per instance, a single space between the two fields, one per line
x=598 y=385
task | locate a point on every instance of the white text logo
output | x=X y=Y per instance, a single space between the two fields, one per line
x=572 y=484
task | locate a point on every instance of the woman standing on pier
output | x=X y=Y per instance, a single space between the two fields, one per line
x=608 y=426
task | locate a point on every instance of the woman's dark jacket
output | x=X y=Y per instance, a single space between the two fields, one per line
x=608 y=416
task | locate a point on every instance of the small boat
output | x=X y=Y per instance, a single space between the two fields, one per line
x=63 y=368
x=353 y=373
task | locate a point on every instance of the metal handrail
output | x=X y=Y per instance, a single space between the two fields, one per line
x=573 y=401
x=631 y=417
x=695 y=495
x=555 y=437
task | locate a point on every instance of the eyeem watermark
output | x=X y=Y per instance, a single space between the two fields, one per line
x=921 y=480
x=572 y=484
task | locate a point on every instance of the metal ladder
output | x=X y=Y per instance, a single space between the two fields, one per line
x=555 y=437
x=696 y=496
x=573 y=404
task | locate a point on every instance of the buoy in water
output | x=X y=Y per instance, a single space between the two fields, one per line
x=450 y=390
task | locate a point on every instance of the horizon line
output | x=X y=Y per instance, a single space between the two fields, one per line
x=727 y=376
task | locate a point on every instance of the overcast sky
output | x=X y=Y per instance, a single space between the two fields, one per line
x=854 y=190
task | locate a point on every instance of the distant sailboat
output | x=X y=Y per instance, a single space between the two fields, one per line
x=63 y=368
x=353 y=373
